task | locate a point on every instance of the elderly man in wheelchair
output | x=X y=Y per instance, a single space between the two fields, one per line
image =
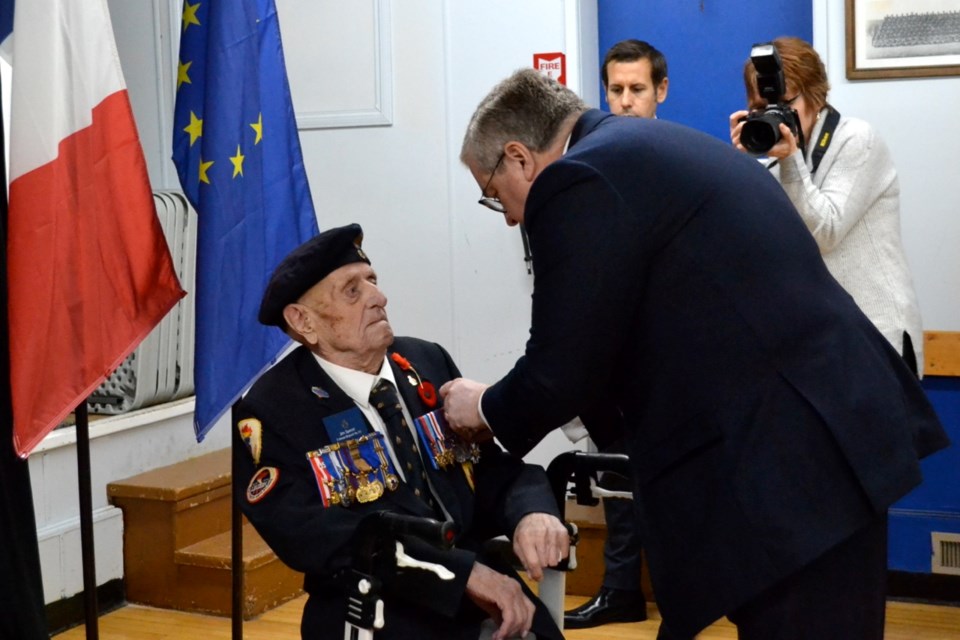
x=348 y=426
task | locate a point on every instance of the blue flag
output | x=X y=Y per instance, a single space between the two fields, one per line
x=238 y=156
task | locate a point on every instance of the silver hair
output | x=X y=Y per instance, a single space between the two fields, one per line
x=527 y=107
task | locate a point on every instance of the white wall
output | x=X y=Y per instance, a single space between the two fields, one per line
x=492 y=287
x=917 y=118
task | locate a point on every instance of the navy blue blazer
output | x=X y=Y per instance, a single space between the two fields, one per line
x=766 y=418
x=290 y=401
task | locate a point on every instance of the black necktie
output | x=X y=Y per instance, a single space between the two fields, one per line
x=387 y=403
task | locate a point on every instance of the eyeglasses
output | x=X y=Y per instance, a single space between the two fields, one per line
x=488 y=201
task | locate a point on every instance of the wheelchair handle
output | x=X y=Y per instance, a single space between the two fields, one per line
x=439 y=534
x=377 y=533
x=581 y=466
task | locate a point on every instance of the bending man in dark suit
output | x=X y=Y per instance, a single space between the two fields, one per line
x=322 y=457
x=634 y=75
x=769 y=424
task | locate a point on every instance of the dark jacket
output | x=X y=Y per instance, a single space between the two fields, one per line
x=766 y=418
x=290 y=401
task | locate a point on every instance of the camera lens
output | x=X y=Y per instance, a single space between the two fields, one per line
x=760 y=133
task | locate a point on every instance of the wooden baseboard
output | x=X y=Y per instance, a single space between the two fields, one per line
x=932 y=588
x=941 y=353
x=69 y=612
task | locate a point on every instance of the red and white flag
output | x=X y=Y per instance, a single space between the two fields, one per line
x=89 y=270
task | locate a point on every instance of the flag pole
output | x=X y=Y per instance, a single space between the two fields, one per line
x=91 y=612
x=236 y=533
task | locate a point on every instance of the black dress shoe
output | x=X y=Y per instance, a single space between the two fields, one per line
x=609 y=605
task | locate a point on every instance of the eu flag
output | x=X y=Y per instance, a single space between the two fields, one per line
x=238 y=156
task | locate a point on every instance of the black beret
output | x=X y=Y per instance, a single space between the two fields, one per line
x=307 y=265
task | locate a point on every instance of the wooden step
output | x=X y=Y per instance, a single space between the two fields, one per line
x=177 y=527
x=204 y=569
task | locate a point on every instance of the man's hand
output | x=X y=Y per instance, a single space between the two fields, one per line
x=503 y=599
x=539 y=541
x=461 y=408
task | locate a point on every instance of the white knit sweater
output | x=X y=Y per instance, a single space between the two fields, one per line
x=852 y=207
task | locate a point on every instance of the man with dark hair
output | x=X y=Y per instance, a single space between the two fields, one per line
x=769 y=424
x=635 y=82
x=635 y=79
x=339 y=429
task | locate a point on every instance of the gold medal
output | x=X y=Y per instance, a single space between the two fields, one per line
x=369 y=490
x=389 y=479
x=334 y=494
x=375 y=489
x=448 y=458
x=363 y=492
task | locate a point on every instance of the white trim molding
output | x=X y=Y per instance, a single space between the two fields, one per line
x=380 y=112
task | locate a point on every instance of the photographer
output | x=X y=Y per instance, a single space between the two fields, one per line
x=838 y=174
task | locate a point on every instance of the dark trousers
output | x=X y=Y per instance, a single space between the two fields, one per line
x=839 y=596
x=621 y=549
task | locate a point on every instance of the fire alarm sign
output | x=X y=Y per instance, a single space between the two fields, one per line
x=552 y=65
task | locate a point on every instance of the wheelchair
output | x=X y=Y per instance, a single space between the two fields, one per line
x=375 y=552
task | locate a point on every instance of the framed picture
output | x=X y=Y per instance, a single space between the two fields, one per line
x=902 y=38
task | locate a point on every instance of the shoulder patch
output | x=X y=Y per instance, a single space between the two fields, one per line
x=251 y=432
x=262 y=482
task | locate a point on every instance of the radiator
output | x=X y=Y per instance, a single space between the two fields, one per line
x=161 y=367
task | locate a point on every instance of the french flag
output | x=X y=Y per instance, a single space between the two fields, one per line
x=89 y=271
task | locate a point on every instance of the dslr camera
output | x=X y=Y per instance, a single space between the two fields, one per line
x=761 y=128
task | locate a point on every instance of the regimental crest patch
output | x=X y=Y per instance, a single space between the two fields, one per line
x=262 y=482
x=251 y=432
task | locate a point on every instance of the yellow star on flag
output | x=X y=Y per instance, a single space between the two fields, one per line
x=190 y=14
x=237 y=161
x=203 y=170
x=182 y=73
x=258 y=127
x=195 y=128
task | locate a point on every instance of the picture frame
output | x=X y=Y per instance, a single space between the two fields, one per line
x=902 y=38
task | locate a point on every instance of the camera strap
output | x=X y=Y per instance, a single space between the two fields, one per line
x=826 y=137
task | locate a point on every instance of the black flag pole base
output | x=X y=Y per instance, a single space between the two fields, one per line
x=91 y=609
x=236 y=534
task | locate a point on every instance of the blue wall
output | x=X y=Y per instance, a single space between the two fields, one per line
x=935 y=504
x=706 y=44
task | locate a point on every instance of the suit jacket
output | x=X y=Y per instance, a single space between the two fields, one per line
x=290 y=402
x=766 y=418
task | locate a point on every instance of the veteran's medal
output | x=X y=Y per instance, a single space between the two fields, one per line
x=368 y=490
x=389 y=479
x=430 y=428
